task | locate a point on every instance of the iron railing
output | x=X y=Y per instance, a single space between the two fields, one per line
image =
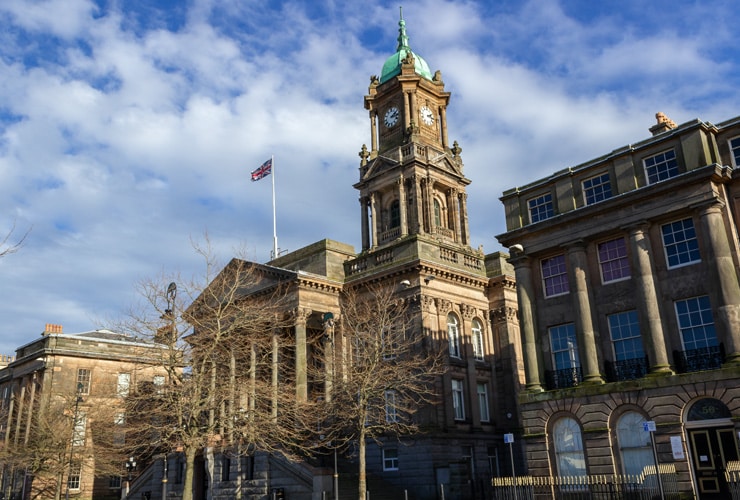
x=561 y=379
x=627 y=369
x=595 y=487
x=695 y=360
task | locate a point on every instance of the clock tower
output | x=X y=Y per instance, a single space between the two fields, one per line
x=411 y=180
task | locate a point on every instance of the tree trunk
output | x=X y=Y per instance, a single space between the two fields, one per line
x=187 y=490
x=362 y=482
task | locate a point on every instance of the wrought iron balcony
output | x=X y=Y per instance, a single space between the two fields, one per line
x=696 y=360
x=626 y=369
x=561 y=379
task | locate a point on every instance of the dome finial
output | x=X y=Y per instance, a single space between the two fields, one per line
x=403 y=39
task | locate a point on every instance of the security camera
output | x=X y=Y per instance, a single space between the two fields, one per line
x=517 y=248
x=406 y=283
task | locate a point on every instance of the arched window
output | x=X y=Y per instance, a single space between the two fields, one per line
x=566 y=436
x=477 y=333
x=634 y=443
x=395 y=214
x=437 y=214
x=453 y=334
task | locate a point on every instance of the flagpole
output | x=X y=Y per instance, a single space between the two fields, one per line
x=274 y=222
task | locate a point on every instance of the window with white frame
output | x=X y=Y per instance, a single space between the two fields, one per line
x=458 y=399
x=158 y=382
x=554 y=276
x=119 y=435
x=540 y=208
x=679 y=243
x=568 y=447
x=696 y=323
x=390 y=459
x=453 y=335
x=482 y=390
x=735 y=151
x=564 y=346
x=597 y=189
x=438 y=219
x=477 y=334
x=625 y=333
x=73 y=480
x=661 y=167
x=634 y=443
x=391 y=411
x=124 y=382
x=613 y=260
x=114 y=482
x=80 y=428
x=83 y=380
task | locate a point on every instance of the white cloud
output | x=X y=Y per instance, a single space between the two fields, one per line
x=124 y=134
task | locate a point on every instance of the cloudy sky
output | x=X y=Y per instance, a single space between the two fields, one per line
x=128 y=128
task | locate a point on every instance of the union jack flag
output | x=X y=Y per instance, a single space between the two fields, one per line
x=263 y=171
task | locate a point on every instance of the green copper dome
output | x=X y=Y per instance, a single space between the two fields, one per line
x=392 y=66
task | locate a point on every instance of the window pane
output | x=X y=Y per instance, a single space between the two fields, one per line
x=625 y=333
x=540 y=208
x=483 y=401
x=453 y=335
x=124 y=380
x=735 y=150
x=613 y=260
x=83 y=381
x=696 y=323
x=634 y=443
x=477 y=332
x=564 y=346
x=458 y=401
x=554 y=277
x=661 y=167
x=680 y=243
x=390 y=459
x=597 y=189
x=569 y=447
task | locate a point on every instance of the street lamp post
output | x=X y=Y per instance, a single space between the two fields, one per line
x=78 y=400
x=130 y=468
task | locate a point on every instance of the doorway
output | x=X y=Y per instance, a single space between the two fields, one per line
x=713 y=444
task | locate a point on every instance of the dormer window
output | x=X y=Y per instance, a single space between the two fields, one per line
x=540 y=208
x=735 y=151
x=661 y=167
x=597 y=189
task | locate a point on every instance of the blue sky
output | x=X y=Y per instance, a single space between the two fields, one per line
x=129 y=128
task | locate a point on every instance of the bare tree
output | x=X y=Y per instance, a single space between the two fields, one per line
x=7 y=247
x=384 y=371
x=223 y=334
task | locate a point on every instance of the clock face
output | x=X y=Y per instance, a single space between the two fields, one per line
x=427 y=116
x=391 y=117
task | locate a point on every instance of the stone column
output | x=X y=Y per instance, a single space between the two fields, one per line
x=419 y=203
x=528 y=327
x=365 y=223
x=301 y=353
x=406 y=110
x=647 y=301
x=374 y=216
x=373 y=130
x=329 y=349
x=402 y=206
x=454 y=213
x=724 y=288
x=582 y=310
x=464 y=216
x=429 y=195
x=443 y=126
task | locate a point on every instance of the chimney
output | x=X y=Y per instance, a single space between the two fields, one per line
x=664 y=124
x=51 y=328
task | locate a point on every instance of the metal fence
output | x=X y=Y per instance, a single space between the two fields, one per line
x=643 y=486
x=732 y=475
